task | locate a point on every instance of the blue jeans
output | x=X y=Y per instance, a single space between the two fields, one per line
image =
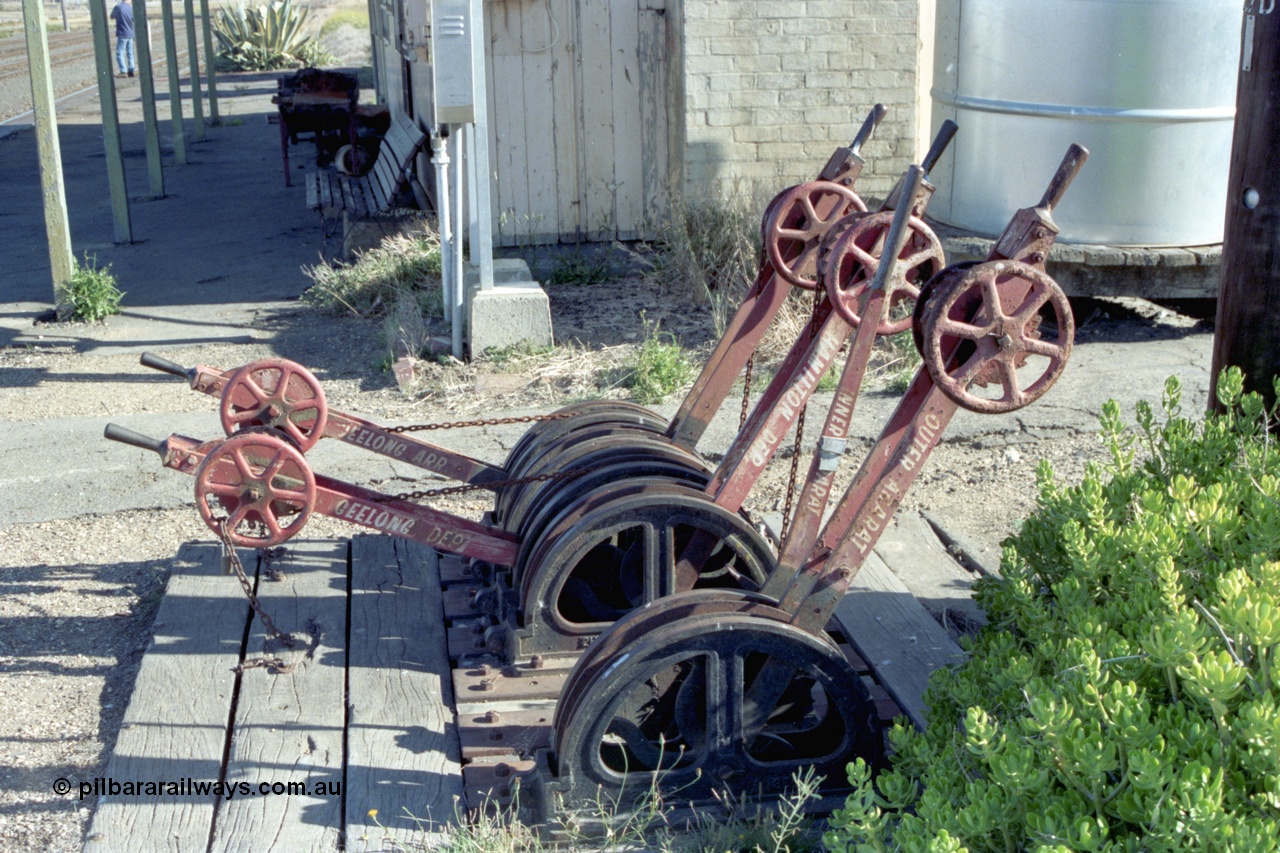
x=124 y=55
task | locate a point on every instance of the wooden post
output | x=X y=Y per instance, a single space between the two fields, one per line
x=110 y=122
x=146 y=77
x=175 y=89
x=209 y=57
x=46 y=121
x=193 y=61
x=1248 y=326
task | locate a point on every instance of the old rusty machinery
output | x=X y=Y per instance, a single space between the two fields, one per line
x=684 y=645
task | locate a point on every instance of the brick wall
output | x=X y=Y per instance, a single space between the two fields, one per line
x=773 y=86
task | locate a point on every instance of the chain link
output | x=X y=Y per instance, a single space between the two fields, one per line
x=232 y=560
x=746 y=391
x=519 y=419
x=472 y=487
x=798 y=446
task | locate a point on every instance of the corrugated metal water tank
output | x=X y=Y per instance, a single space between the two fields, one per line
x=1148 y=86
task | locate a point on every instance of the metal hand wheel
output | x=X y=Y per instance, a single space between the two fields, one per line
x=796 y=223
x=256 y=487
x=854 y=256
x=277 y=393
x=998 y=337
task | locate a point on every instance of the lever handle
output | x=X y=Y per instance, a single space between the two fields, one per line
x=940 y=143
x=873 y=120
x=899 y=228
x=155 y=362
x=1067 y=171
x=118 y=433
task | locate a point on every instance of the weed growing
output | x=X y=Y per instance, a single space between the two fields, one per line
x=708 y=251
x=662 y=368
x=582 y=269
x=403 y=266
x=734 y=824
x=91 y=295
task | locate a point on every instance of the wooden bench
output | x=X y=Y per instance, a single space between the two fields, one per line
x=376 y=191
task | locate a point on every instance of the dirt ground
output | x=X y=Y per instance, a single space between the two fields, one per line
x=77 y=596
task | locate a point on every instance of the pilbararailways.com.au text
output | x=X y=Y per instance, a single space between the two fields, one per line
x=189 y=787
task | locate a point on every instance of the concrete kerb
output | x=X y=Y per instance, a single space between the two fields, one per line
x=144 y=328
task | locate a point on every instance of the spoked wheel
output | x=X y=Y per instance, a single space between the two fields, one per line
x=618 y=548
x=998 y=337
x=277 y=393
x=679 y=708
x=258 y=488
x=939 y=283
x=796 y=223
x=854 y=257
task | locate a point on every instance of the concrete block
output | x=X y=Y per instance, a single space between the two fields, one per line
x=515 y=311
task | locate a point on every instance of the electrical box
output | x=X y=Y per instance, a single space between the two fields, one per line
x=452 y=61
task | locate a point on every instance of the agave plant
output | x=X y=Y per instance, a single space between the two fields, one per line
x=263 y=38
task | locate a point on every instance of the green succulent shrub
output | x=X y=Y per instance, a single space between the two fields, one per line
x=1126 y=693
x=265 y=38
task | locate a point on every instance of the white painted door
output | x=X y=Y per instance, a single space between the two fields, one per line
x=578 y=121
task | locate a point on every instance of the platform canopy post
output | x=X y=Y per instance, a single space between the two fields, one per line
x=210 y=72
x=175 y=87
x=1247 y=332
x=48 y=148
x=147 y=81
x=110 y=123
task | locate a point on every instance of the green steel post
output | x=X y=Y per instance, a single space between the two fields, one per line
x=110 y=123
x=175 y=89
x=55 y=197
x=146 y=77
x=193 y=60
x=209 y=57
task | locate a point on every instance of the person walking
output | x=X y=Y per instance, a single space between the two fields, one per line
x=122 y=14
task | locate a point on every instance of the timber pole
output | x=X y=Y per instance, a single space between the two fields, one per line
x=193 y=61
x=49 y=150
x=110 y=123
x=209 y=57
x=175 y=85
x=1247 y=333
x=147 y=79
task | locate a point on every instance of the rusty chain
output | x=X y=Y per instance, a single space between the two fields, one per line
x=746 y=391
x=797 y=448
x=232 y=560
x=472 y=487
x=518 y=419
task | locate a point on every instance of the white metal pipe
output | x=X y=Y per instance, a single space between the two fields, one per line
x=440 y=157
x=459 y=217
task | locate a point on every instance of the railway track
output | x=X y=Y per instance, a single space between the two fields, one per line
x=71 y=56
x=64 y=48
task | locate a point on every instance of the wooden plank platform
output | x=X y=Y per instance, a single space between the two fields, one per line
x=383 y=706
x=362 y=720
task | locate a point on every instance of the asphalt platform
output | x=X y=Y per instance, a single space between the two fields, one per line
x=224 y=248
